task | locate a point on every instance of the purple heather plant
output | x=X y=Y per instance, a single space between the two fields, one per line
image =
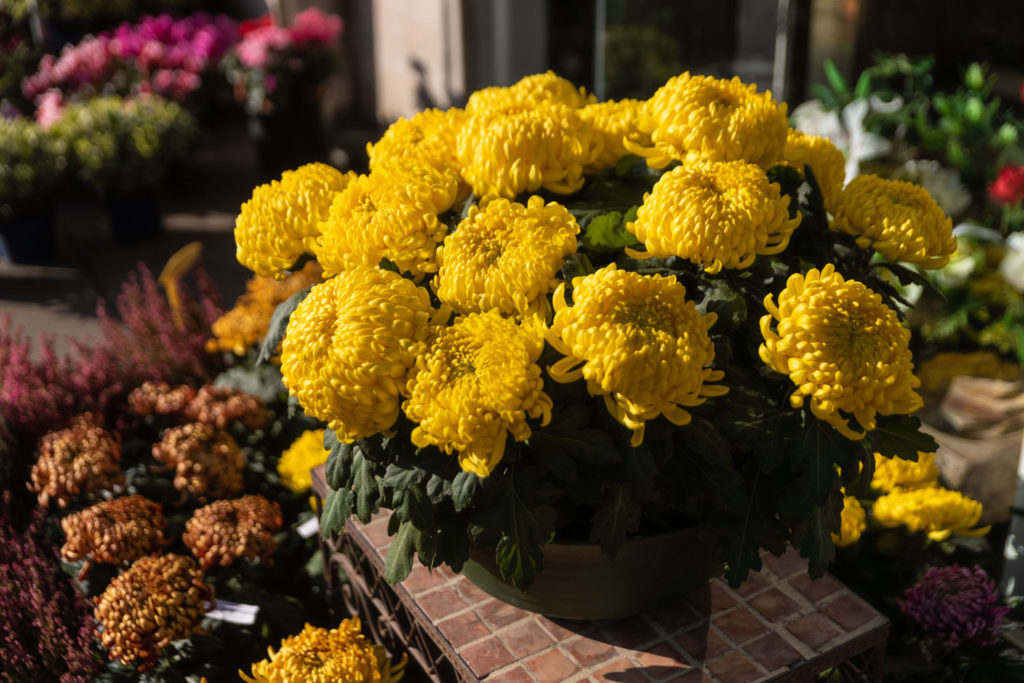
x=955 y=605
x=46 y=625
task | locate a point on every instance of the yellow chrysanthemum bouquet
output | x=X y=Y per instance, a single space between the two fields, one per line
x=548 y=318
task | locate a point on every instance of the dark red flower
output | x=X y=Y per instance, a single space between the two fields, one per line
x=956 y=605
x=1008 y=187
x=250 y=25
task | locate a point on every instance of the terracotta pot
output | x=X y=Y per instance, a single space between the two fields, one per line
x=579 y=582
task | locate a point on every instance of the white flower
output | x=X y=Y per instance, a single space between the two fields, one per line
x=845 y=130
x=1012 y=265
x=942 y=183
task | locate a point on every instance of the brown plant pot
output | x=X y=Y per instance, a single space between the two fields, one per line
x=579 y=582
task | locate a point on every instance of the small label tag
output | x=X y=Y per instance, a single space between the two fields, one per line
x=309 y=528
x=233 y=612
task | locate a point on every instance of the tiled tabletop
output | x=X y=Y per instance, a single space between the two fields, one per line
x=779 y=625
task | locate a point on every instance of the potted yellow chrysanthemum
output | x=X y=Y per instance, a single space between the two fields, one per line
x=550 y=319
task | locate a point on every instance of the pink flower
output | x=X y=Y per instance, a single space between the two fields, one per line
x=1008 y=187
x=255 y=48
x=314 y=26
x=49 y=107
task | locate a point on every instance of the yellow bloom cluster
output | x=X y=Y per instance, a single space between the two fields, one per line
x=892 y=474
x=305 y=453
x=388 y=214
x=318 y=655
x=280 y=222
x=900 y=220
x=823 y=157
x=505 y=257
x=638 y=342
x=933 y=510
x=842 y=347
x=246 y=324
x=476 y=383
x=711 y=118
x=529 y=91
x=350 y=344
x=614 y=121
x=854 y=522
x=427 y=139
x=718 y=214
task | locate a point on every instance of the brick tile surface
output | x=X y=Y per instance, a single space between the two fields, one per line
x=849 y=612
x=588 y=653
x=486 y=656
x=631 y=633
x=676 y=618
x=525 y=638
x=734 y=668
x=702 y=643
x=551 y=666
x=738 y=625
x=785 y=566
x=815 y=590
x=814 y=630
x=464 y=628
x=514 y=675
x=497 y=614
x=621 y=671
x=662 y=656
x=563 y=629
x=774 y=605
x=421 y=580
x=772 y=652
x=441 y=602
x=755 y=583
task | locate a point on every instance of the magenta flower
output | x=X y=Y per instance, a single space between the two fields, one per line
x=49 y=107
x=955 y=605
x=255 y=48
x=314 y=26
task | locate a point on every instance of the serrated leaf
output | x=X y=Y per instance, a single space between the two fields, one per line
x=453 y=546
x=439 y=489
x=567 y=433
x=818 y=450
x=726 y=303
x=279 y=324
x=814 y=535
x=617 y=515
x=464 y=487
x=704 y=440
x=524 y=529
x=337 y=509
x=606 y=233
x=365 y=487
x=398 y=562
x=418 y=509
x=398 y=477
x=900 y=436
x=752 y=532
x=338 y=469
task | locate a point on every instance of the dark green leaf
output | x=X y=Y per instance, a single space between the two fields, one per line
x=703 y=439
x=567 y=433
x=398 y=477
x=756 y=528
x=819 y=448
x=725 y=302
x=338 y=470
x=279 y=324
x=788 y=178
x=418 y=509
x=863 y=87
x=439 y=489
x=337 y=509
x=398 y=562
x=606 y=233
x=388 y=264
x=524 y=529
x=835 y=79
x=900 y=436
x=814 y=535
x=453 y=545
x=464 y=487
x=617 y=515
x=365 y=487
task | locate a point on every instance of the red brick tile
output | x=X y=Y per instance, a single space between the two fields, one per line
x=563 y=629
x=629 y=633
x=441 y=602
x=734 y=668
x=772 y=652
x=420 y=580
x=514 y=675
x=469 y=591
x=588 y=653
x=552 y=666
x=377 y=533
x=849 y=611
x=486 y=656
x=691 y=676
x=662 y=656
x=738 y=625
x=721 y=598
x=676 y=618
x=788 y=564
x=497 y=614
x=463 y=628
x=815 y=590
x=774 y=605
x=703 y=644
x=525 y=638
x=621 y=671
x=814 y=630
x=754 y=583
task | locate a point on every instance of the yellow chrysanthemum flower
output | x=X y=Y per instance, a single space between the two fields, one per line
x=505 y=256
x=280 y=222
x=614 y=121
x=638 y=342
x=939 y=371
x=842 y=347
x=349 y=347
x=824 y=158
x=529 y=91
x=936 y=511
x=718 y=214
x=711 y=118
x=427 y=139
x=524 y=148
x=854 y=522
x=246 y=324
x=900 y=220
x=478 y=381
x=897 y=473
x=305 y=453
x=318 y=655
x=391 y=214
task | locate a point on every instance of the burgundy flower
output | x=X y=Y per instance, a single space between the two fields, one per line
x=956 y=605
x=1008 y=187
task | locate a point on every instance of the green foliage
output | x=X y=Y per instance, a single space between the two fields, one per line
x=121 y=146
x=31 y=164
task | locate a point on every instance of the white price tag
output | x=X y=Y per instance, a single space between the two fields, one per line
x=233 y=612
x=309 y=528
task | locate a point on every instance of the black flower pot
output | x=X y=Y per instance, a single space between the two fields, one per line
x=287 y=138
x=136 y=216
x=29 y=237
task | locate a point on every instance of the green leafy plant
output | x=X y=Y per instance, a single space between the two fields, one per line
x=31 y=164
x=120 y=146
